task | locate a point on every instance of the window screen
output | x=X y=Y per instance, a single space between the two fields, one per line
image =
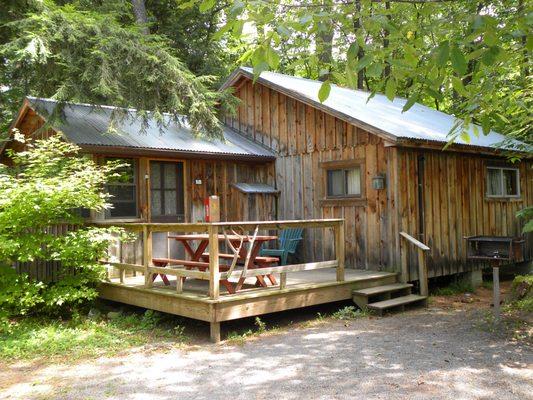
x=123 y=190
x=344 y=182
x=503 y=182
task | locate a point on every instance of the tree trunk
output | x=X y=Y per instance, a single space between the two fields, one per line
x=139 y=9
x=324 y=46
x=360 y=53
x=386 y=33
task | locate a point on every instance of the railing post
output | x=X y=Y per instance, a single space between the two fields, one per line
x=214 y=270
x=422 y=272
x=339 y=250
x=404 y=260
x=282 y=280
x=147 y=255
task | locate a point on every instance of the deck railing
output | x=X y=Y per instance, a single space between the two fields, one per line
x=422 y=264
x=213 y=273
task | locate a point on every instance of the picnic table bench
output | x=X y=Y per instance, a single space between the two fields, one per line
x=200 y=258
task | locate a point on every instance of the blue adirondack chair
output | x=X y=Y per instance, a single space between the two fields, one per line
x=288 y=241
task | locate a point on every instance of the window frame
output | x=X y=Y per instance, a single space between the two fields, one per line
x=135 y=184
x=344 y=165
x=502 y=185
x=180 y=185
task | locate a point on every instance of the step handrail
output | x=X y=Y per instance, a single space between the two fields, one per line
x=422 y=265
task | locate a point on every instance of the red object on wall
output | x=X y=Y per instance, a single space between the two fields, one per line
x=206 y=209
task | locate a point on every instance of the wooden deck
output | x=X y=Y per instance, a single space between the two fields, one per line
x=303 y=289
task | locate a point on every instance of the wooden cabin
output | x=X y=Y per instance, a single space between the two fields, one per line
x=383 y=170
x=287 y=156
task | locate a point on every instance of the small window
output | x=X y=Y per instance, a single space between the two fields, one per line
x=123 y=190
x=503 y=182
x=344 y=182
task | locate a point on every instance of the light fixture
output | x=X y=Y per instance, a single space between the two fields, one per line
x=378 y=182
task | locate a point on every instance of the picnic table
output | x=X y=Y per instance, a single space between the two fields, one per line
x=200 y=259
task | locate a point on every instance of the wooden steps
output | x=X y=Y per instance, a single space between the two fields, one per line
x=381 y=298
x=401 y=301
x=372 y=291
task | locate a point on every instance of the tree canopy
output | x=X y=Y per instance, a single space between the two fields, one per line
x=468 y=58
x=95 y=53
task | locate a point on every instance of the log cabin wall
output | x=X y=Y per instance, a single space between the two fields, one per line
x=455 y=206
x=304 y=138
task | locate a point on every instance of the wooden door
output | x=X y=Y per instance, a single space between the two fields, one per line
x=167 y=195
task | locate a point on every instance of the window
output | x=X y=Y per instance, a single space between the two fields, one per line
x=166 y=191
x=503 y=182
x=345 y=182
x=123 y=190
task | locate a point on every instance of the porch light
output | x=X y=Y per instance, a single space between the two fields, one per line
x=378 y=182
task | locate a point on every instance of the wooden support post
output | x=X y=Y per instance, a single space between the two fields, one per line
x=122 y=274
x=179 y=284
x=404 y=260
x=496 y=293
x=339 y=250
x=214 y=272
x=147 y=256
x=423 y=272
x=283 y=280
x=215 y=331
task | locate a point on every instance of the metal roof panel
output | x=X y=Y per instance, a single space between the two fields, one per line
x=85 y=124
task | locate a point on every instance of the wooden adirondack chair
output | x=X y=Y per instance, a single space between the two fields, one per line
x=288 y=241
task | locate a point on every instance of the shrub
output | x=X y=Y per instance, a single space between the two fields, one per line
x=46 y=186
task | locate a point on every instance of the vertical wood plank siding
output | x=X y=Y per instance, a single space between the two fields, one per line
x=304 y=137
x=453 y=199
x=455 y=206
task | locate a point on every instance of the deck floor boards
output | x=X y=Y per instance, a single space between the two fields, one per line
x=304 y=288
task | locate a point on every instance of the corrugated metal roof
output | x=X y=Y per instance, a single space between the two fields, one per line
x=84 y=124
x=419 y=122
x=255 y=188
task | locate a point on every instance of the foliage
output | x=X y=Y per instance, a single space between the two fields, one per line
x=79 y=52
x=46 y=186
x=521 y=296
x=527 y=215
x=79 y=337
x=471 y=59
x=454 y=288
x=350 y=312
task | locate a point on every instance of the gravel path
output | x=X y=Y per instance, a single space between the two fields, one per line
x=416 y=355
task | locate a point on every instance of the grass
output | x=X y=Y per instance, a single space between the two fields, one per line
x=350 y=312
x=454 y=288
x=80 y=337
x=240 y=338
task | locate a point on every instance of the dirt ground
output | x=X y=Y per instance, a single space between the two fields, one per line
x=443 y=352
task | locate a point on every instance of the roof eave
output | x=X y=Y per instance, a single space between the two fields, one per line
x=183 y=154
x=469 y=148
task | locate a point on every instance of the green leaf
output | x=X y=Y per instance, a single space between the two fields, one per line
x=485 y=124
x=351 y=55
x=187 y=4
x=363 y=62
x=458 y=59
x=457 y=84
x=272 y=58
x=206 y=5
x=490 y=56
x=324 y=90
x=390 y=89
x=258 y=68
x=443 y=52
x=374 y=70
x=465 y=136
x=410 y=102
